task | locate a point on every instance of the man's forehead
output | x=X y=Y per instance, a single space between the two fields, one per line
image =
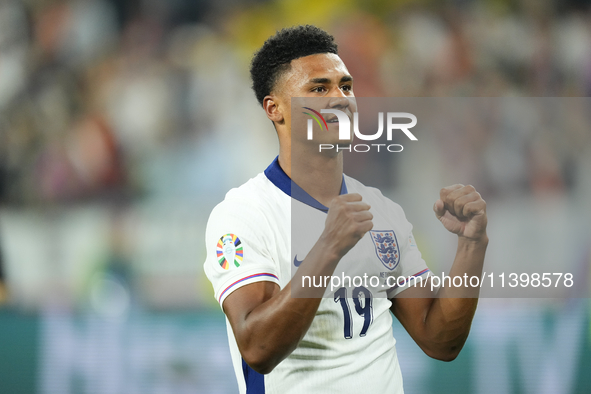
x=320 y=65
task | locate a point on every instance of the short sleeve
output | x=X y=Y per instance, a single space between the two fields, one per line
x=412 y=266
x=237 y=251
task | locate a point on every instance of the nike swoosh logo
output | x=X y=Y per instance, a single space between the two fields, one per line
x=297 y=262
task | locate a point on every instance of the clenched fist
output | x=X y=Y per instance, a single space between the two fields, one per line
x=462 y=211
x=347 y=222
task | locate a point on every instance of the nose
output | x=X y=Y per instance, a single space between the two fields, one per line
x=339 y=101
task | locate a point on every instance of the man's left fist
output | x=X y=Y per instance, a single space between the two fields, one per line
x=462 y=211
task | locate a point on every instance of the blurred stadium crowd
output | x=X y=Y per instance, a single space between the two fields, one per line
x=113 y=99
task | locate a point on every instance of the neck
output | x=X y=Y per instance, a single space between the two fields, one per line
x=319 y=175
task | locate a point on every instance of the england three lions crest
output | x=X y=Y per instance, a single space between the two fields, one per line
x=386 y=247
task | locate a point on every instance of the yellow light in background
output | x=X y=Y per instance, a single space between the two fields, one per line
x=250 y=27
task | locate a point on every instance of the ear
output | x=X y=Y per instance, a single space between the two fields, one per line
x=271 y=107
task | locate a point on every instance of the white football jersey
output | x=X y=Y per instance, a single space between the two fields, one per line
x=349 y=348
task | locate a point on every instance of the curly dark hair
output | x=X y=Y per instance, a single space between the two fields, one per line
x=274 y=57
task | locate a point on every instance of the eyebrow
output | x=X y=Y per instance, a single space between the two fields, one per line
x=345 y=78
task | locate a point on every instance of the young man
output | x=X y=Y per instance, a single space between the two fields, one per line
x=286 y=344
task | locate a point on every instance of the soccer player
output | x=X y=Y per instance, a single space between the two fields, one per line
x=281 y=343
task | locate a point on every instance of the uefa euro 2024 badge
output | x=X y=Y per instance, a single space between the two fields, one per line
x=386 y=247
x=229 y=251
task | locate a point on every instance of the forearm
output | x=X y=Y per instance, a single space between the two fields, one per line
x=273 y=329
x=450 y=315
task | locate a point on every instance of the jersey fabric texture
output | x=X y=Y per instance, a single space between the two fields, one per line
x=349 y=348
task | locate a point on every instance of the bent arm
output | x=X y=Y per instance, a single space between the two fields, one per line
x=268 y=323
x=440 y=323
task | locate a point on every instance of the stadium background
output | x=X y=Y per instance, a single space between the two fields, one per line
x=122 y=123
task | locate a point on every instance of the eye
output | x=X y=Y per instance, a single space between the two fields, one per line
x=318 y=89
x=347 y=88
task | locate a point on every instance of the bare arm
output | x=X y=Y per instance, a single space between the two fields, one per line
x=440 y=323
x=268 y=323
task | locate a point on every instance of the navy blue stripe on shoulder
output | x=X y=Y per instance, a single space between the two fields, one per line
x=255 y=382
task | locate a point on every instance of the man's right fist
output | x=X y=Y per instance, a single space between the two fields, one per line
x=347 y=222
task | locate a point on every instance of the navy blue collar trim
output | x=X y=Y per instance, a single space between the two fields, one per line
x=280 y=179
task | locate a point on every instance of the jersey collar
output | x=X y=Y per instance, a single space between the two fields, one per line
x=280 y=179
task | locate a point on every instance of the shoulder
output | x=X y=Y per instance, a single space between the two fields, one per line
x=373 y=196
x=255 y=201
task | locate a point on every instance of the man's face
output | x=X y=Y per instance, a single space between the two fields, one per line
x=325 y=78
